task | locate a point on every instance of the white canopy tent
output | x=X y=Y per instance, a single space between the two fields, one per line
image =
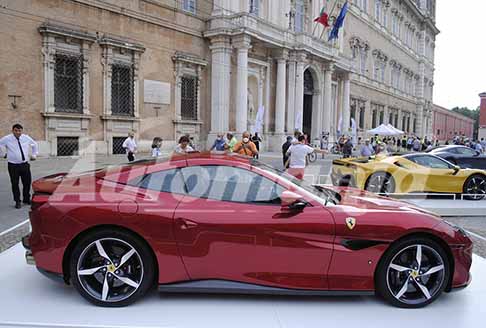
x=395 y=129
x=384 y=130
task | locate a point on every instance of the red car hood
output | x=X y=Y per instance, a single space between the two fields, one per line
x=367 y=200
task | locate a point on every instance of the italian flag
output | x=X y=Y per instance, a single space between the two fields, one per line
x=323 y=18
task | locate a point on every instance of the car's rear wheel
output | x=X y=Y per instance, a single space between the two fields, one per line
x=112 y=268
x=413 y=273
x=381 y=183
x=475 y=187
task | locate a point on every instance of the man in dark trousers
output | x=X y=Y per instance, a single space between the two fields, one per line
x=285 y=148
x=18 y=148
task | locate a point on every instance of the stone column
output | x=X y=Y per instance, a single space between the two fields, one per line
x=280 y=95
x=268 y=78
x=299 y=93
x=291 y=95
x=327 y=117
x=420 y=120
x=220 y=82
x=346 y=109
x=242 y=45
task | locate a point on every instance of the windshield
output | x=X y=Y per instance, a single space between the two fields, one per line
x=325 y=195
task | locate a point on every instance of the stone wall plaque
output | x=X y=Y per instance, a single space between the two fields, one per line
x=156 y=92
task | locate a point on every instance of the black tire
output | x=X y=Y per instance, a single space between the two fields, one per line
x=346 y=181
x=391 y=282
x=475 y=186
x=381 y=183
x=137 y=271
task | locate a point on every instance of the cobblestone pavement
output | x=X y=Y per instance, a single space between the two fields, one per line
x=477 y=228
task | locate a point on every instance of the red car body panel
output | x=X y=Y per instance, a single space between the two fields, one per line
x=195 y=238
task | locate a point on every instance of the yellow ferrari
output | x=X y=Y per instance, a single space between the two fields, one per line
x=418 y=172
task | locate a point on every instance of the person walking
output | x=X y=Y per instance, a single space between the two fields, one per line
x=256 y=140
x=130 y=146
x=17 y=146
x=156 y=145
x=219 y=143
x=184 y=146
x=298 y=154
x=246 y=146
x=285 y=148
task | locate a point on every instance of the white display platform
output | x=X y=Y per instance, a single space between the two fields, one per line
x=450 y=207
x=28 y=299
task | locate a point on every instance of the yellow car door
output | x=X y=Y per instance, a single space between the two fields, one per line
x=436 y=174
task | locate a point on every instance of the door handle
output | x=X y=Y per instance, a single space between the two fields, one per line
x=186 y=224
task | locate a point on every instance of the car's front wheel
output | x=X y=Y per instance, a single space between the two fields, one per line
x=413 y=273
x=112 y=268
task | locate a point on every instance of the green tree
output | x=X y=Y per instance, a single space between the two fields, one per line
x=471 y=113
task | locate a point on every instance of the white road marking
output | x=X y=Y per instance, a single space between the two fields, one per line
x=14 y=227
x=476 y=235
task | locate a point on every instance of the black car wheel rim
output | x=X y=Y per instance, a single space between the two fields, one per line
x=476 y=188
x=416 y=274
x=380 y=184
x=110 y=270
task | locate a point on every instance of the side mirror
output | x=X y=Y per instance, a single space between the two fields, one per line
x=456 y=169
x=477 y=153
x=292 y=202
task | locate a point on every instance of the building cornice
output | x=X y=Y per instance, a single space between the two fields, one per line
x=67 y=32
x=119 y=43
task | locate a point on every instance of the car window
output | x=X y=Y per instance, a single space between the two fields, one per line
x=466 y=151
x=231 y=184
x=165 y=181
x=430 y=162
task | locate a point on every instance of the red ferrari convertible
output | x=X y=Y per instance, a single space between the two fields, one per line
x=220 y=223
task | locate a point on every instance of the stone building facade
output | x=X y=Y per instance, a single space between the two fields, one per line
x=81 y=74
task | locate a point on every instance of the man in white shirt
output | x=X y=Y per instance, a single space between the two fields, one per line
x=130 y=146
x=298 y=155
x=18 y=146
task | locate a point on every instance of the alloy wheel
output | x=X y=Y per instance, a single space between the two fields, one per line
x=110 y=270
x=476 y=188
x=380 y=184
x=415 y=274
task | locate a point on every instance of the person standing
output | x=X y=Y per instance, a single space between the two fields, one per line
x=366 y=149
x=256 y=140
x=18 y=146
x=184 y=146
x=285 y=148
x=298 y=154
x=232 y=141
x=130 y=146
x=156 y=145
x=347 y=147
x=246 y=146
x=219 y=144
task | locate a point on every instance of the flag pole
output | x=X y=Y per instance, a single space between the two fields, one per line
x=330 y=15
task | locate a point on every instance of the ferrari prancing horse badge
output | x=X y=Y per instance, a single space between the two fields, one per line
x=351 y=223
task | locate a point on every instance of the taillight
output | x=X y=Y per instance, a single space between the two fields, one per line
x=38 y=200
